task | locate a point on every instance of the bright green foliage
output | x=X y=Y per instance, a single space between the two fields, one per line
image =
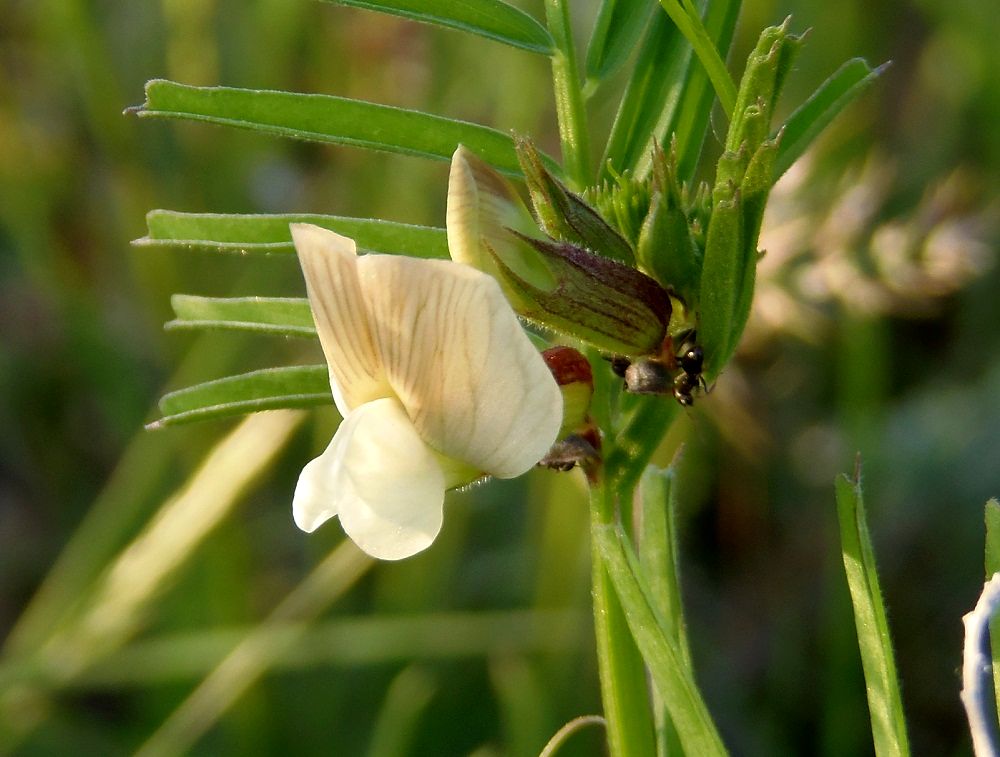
x=267 y=389
x=325 y=118
x=816 y=113
x=659 y=646
x=282 y=316
x=877 y=659
x=269 y=234
x=488 y=18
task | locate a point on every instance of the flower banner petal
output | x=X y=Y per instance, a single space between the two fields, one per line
x=382 y=480
x=329 y=263
x=456 y=356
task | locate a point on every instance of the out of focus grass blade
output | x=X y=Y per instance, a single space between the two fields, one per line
x=281 y=316
x=114 y=605
x=672 y=678
x=269 y=234
x=267 y=389
x=326 y=118
x=884 y=701
x=487 y=18
x=992 y=567
x=816 y=113
x=617 y=29
x=399 y=717
x=649 y=105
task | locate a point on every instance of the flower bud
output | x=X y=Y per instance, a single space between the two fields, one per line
x=611 y=306
x=572 y=373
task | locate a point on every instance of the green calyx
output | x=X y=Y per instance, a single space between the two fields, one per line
x=610 y=306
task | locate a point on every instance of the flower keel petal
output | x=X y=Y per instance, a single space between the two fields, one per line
x=381 y=478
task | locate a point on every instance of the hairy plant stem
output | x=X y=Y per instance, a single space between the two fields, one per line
x=570 y=110
x=624 y=691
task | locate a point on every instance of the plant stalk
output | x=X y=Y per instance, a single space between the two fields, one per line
x=570 y=110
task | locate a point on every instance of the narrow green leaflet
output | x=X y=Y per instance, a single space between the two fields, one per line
x=326 y=118
x=692 y=120
x=282 y=316
x=884 y=702
x=671 y=677
x=617 y=29
x=649 y=104
x=686 y=17
x=660 y=562
x=816 y=113
x=993 y=566
x=267 y=389
x=268 y=234
x=487 y=18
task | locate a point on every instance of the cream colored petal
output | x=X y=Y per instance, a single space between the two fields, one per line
x=329 y=263
x=457 y=358
x=382 y=480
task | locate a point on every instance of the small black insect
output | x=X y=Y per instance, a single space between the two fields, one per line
x=691 y=361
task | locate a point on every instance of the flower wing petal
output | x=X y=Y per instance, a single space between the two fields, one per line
x=383 y=481
x=329 y=263
x=456 y=356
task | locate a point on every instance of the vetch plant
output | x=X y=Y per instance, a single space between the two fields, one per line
x=645 y=260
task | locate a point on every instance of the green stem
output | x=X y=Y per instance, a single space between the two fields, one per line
x=624 y=691
x=570 y=110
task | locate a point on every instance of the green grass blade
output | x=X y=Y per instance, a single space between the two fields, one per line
x=816 y=113
x=488 y=18
x=268 y=234
x=687 y=20
x=267 y=389
x=326 y=118
x=993 y=566
x=617 y=29
x=673 y=680
x=649 y=105
x=281 y=316
x=884 y=702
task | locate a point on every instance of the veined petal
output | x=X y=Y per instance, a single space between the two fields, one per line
x=329 y=263
x=380 y=477
x=455 y=354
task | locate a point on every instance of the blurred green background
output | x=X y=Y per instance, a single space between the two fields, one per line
x=877 y=332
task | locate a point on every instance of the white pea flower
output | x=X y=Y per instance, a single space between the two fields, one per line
x=437 y=384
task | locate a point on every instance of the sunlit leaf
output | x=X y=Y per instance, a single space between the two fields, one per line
x=878 y=662
x=326 y=118
x=283 y=316
x=487 y=18
x=816 y=113
x=269 y=234
x=267 y=389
